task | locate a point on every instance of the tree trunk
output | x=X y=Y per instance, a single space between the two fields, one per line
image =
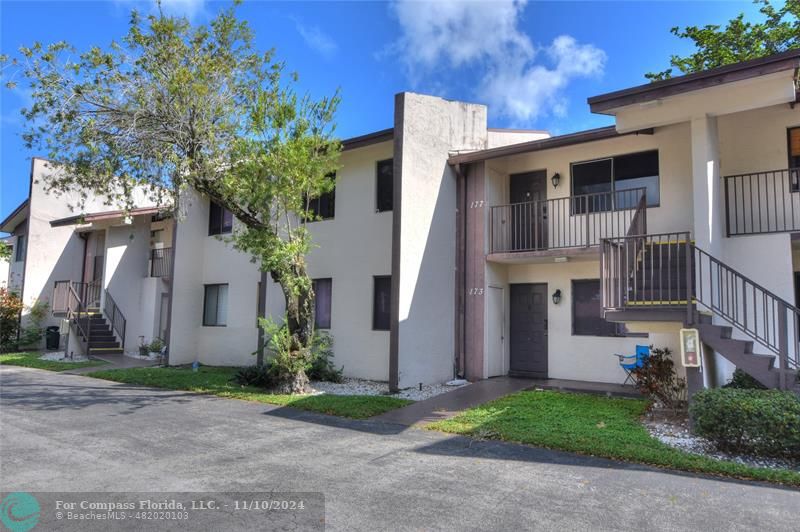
x=300 y=323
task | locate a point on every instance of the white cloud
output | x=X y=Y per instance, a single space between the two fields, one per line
x=516 y=78
x=316 y=39
x=188 y=8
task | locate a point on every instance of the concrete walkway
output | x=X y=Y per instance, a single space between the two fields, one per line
x=75 y=434
x=449 y=404
x=118 y=361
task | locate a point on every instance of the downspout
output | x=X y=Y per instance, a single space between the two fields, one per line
x=459 y=362
x=85 y=238
x=171 y=281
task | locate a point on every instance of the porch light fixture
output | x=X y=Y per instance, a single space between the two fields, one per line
x=557 y=297
x=556 y=179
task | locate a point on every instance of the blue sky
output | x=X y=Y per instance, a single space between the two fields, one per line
x=534 y=63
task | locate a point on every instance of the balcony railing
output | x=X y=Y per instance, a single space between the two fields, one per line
x=571 y=222
x=87 y=293
x=762 y=202
x=160 y=262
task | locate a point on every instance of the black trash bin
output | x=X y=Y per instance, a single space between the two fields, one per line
x=52 y=337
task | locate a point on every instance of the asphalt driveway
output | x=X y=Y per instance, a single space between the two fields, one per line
x=73 y=433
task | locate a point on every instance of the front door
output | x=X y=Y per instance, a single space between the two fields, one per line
x=527 y=196
x=528 y=323
x=495 y=308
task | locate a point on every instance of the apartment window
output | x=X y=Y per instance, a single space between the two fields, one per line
x=215 y=305
x=220 y=220
x=323 y=207
x=258 y=303
x=382 y=302
x=20 y=248
x=322 y=303
x=793 y=139
x=385 y=185
x=587 y=312
x=616 y=174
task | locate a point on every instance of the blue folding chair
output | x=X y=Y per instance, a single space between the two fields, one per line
x=630 y=362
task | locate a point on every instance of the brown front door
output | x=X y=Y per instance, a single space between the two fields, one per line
x=527 y=196
x=528 y=323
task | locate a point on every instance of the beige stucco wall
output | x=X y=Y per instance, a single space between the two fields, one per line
x=585 y=358
x=674 y=150
x=351 y=248
x=503 y=137
x=199 y=260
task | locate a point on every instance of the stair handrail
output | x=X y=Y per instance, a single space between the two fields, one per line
x=769 y=327
x=77 y=314
x=117 y=318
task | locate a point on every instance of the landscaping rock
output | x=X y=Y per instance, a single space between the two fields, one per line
x=366 y=387
x=673 y=430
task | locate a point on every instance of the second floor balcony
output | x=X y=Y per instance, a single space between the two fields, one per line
x=161 y=262
x=565 y=226
x=762 y=202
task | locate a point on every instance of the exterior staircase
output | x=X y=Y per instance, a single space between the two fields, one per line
x=667 y=278
x=740 y=352
x=101 y=338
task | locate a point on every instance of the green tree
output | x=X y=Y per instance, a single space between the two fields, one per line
x=175 y=107
x=738 y=41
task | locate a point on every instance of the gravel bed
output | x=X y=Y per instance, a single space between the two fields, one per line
x=674 y=431
x=364 y=387
x=60 y=356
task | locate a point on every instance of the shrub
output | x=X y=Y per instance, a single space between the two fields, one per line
x=742 y=380
x=31 y=336
x=657 y=379
x=760 y=422
x=10 y=309
x=258 y=376
x=322 y=368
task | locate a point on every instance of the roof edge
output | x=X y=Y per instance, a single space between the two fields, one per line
x=14 y=213
x=698 y=80
x=580 y=137
x=366 y=140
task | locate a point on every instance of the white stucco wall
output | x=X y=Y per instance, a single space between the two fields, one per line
x=350 y=249
x=126 y=256
x=431 y=127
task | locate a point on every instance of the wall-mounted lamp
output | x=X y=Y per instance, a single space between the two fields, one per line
x=556 y=179
x=557 y=297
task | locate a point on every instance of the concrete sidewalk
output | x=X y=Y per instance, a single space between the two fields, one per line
x=451 y=403
x=117 y=361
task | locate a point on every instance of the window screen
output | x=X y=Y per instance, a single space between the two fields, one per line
x=215 y=305
x=637 y=170
x=619 y=175
x=587 y=313
x=323 y=207
x=220 y=220
x=385 y=185
x=20 y=248
x=322 y=303
x=794 y=156
x=381 y=303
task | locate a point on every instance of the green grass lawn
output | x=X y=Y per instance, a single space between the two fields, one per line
x=217 y=381
x=32 y=360
x=591 y=425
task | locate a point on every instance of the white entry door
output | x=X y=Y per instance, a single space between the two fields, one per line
x=495 y=354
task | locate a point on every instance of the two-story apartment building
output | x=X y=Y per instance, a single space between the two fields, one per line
x=449 y=248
